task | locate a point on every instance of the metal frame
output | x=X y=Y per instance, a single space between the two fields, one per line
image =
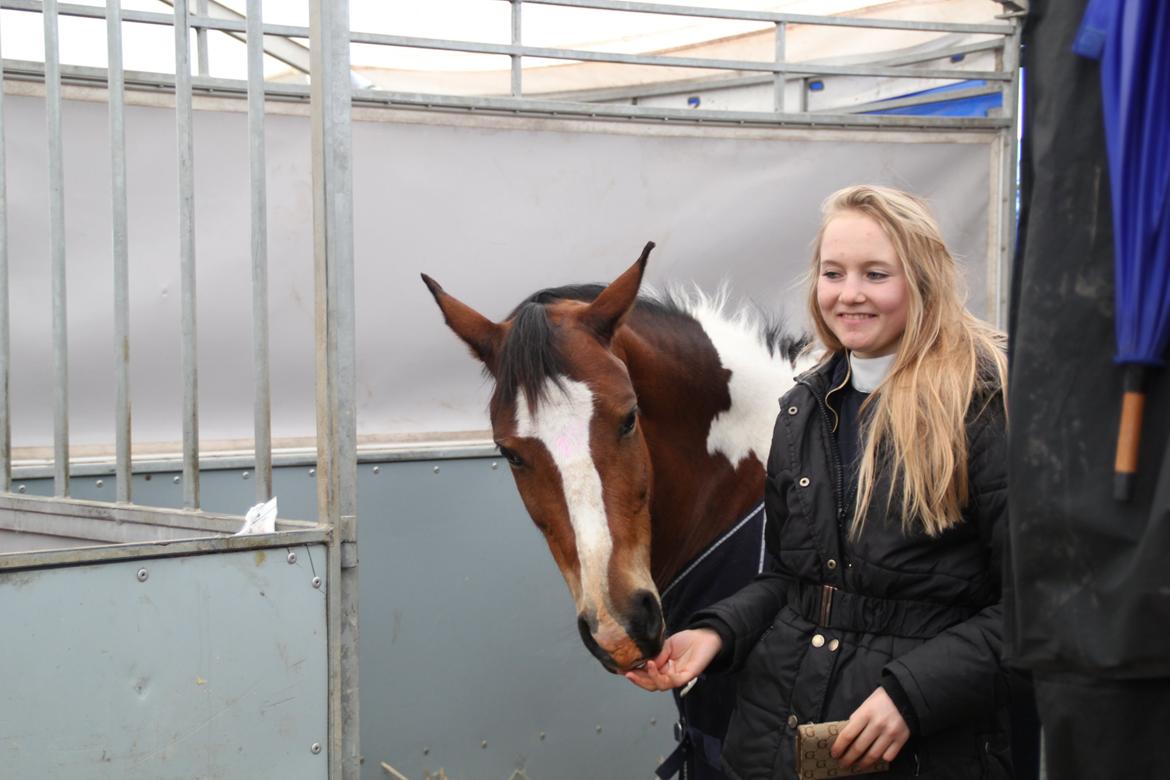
x=331 y=97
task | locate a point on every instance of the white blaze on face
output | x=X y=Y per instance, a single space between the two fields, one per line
x=561 y=423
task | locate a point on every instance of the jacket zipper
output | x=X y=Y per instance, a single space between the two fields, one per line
x=834 y=458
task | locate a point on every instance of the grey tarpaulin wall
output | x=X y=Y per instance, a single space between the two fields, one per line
x=1089 y=597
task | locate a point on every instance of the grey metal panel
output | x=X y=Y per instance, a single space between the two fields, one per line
x=213 y=666
x=469 y=635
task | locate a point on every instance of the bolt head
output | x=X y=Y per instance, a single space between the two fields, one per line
x=316 y=582
x=99 y=483
x=143 y=574
x=377 y=469
x=245 y=475
x=292 y=557
x=316 y=748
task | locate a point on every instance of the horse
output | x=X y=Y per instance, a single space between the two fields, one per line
x=637 y=429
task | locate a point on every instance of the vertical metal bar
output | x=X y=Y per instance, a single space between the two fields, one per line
x=1010 y=63
x=117 y=103
x=57 y=253
x=262 y=405
x=334 y=294
x=201 y=38
x=780 y=81
x=517 y=86
x=5 y=420
x=186 y=156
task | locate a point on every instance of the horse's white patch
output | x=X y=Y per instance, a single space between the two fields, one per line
x=757 y=380
x=561 y=423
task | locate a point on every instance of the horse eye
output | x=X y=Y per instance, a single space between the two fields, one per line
x=510 y=456
x=630 y=422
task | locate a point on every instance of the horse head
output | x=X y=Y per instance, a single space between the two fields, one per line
x=565 y=415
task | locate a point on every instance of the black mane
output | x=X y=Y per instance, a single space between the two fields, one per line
x=532 y=353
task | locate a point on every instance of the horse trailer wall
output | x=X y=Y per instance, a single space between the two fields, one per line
x=468 y=633
x=493 y=208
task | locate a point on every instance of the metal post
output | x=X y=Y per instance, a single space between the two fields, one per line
x=262 y=402
x=201 y=39
x=1009 y=62
x=5 y=406
x=779 y=80
x=117 y=103
x=336 y=428
x=186 y=156
x=57 y=252
x=517 y=70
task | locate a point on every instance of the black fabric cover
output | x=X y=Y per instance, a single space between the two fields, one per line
x=1088 y=588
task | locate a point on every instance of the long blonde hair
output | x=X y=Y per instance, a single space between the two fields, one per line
x=917 y=416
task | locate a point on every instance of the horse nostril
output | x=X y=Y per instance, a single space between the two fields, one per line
x=648 y=613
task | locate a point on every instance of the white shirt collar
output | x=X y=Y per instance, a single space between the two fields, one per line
x=865 y=374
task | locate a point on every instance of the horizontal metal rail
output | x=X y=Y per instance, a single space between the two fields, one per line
x=775 y=16
x=519 y=106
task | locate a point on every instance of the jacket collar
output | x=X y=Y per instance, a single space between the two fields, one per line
x=825 y=376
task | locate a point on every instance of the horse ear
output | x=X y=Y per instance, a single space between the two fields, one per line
x=476 y=330
x=605 y=315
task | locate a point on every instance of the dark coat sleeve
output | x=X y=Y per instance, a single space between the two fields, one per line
x=742 y=618
x=959 y=674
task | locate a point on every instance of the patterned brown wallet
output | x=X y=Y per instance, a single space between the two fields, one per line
x=813 y=760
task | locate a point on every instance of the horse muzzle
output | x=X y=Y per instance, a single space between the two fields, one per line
x=628 y=642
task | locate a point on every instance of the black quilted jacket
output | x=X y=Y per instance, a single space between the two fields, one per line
x=836 y=618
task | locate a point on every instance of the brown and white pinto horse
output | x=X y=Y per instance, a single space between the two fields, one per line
x=637 y=431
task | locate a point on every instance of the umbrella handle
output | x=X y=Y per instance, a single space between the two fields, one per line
x=1129 y=434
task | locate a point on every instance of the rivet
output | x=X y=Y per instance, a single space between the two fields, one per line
x=21 y=488
x=495 y=464
x=245 y=475
x=316 y=582
x=597 y=728
x=542 y=735
x=792 y=410
x=316 y=748
x=426 y=751
x=377 y=469
x=803 y=482
x=142 y=575
x=176 y=480
x=435 y=469
x=146 y=477
x=292 y=557
x=831 y=564
x=312 y=472
x=99 y=483
x=654 y=721
x=483 y=743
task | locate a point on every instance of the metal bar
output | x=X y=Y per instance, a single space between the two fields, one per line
x=201 y=38
x=289 y=31
x=262 y=402
x=1008 y=178
x=117 y=103
x=807 y=68
x=5 y=342
x=291 y=53
x=335 y=365
x=164 y=83
x=186 y=158
x=517 y=70
x=779 y=83
x=57 y=252
x=769 y=16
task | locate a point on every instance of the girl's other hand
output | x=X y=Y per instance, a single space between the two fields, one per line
x=684 y=656
x=875 y=730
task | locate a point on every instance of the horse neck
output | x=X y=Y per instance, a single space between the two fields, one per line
x=707 y=438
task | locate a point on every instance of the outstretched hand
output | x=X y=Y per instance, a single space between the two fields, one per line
x=876 y=730
x=684 y=656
